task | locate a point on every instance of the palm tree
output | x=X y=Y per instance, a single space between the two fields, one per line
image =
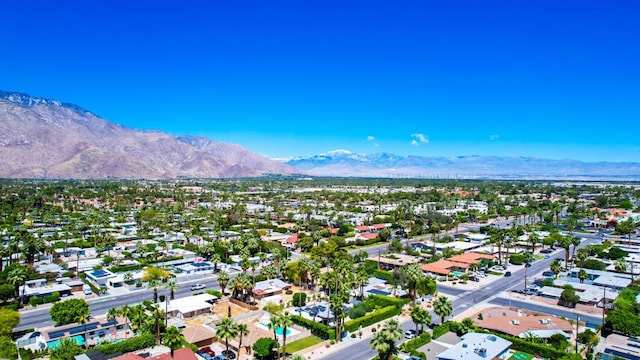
x=274 y=323
x=172 y=285
x=534 y=239
x=362 y=277
x=269 y=272
x=285 y=322
x=226 y=330
x=243 y=330
x=16 y=277
x=413 y=274
x=582 y=256
x=172 y=338
x=621 y=265
x=556 y=267
x=215 y=259
x=442 y=307
x=392 y=332
x=126 y=312
x=380 y=344
x=223 y=280
x=575 y=241
x=582 y=275
x=83 y=319
x=565 y=243
x=112 y=313
x=420 y=317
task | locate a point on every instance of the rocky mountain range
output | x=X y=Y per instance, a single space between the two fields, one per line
x=48 y=139
x=346 y=163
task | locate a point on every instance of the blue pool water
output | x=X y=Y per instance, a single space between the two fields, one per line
x=279 y=331
x=79 y=339
x=457 y=273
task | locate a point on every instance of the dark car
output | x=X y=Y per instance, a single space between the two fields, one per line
x=548 y=273
x=507 y=274
x=229 y=354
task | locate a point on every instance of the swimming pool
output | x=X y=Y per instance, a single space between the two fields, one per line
x=457 y=273
x=79 y=339
x=279 y=330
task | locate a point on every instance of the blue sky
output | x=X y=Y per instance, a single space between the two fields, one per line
x=555 y=79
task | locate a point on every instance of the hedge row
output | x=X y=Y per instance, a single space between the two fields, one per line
x=383 y=301
x=383 y=274
x=413 y=344
x=440 y=330
x=371 y=318
x=132 y=344
x=125 y=268
x=542 y=350
x=320 y=330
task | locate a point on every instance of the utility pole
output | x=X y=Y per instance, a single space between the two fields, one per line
x=577 y=324
x=604 y=304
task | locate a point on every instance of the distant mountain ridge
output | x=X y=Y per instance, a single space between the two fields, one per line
x=348 y=164
x=44 y=138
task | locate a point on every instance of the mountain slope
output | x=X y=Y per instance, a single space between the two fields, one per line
x=42 y=138
x=345 y=163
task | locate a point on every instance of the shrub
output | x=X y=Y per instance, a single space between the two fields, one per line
x=372 y=318
x=594 y=264
x=215 y=293
x=358 y=311
x=413 y=344
x=419 y=354
x=320 y=330
x=382 y=274
x=288 y=292
x=440 y=330
x=299 y=299
x=516 y=259
x=125 y=268
x=128 y=345
x=382 y=301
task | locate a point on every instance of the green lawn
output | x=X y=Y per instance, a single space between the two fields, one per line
x=302 y=344
x=519 y=355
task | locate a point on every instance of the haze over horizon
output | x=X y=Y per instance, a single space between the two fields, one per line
x=285 y=79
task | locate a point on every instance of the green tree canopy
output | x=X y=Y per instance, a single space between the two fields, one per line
x=8 y=320
x=264 y=347
x=69 y=311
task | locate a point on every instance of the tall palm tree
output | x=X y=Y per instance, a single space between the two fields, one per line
x=575 y=241
x=16 y=277
x=362 y=277
x=442 y=307
x=565 y=243
x=285 y=322
x=172 y=338
x=126 y=312
x=225 y=330
x=153 y=275
x=83 y=319
x=274 y=324
x=172 y=285
x=380 y=344
x=413 y=274
x=243 y=330
x=223 y=280
x=556 y=267
x=420 y=317
x=534 y=239
x=384 y=341
x=215 y=259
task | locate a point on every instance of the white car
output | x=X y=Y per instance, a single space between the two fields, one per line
x=197 y=287
x=409 y=334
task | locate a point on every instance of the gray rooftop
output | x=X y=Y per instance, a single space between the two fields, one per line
x=476 y=346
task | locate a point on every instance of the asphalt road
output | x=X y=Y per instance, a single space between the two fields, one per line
x=39 y=318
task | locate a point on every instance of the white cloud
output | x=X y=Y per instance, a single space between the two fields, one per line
x=376 y=145
x=494 y=137
x=419 y=138
x=370 y=138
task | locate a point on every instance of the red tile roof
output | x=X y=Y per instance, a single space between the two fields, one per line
x=293 y=239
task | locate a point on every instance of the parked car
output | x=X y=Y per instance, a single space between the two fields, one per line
x=507 y=274
x=548 y=273
x=197 y=287
x=409 y=334
x=474 y=278
x=229 y=354
x=220 y=357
